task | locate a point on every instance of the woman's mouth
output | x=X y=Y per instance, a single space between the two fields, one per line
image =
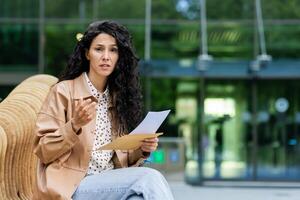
x=104 y=65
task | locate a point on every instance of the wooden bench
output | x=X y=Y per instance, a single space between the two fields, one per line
x=18 y=112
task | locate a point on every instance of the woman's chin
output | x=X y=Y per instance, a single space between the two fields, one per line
x=104 y=73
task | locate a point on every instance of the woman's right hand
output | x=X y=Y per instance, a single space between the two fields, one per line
x=85 y=111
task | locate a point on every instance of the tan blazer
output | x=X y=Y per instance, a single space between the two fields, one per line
x=64 y=155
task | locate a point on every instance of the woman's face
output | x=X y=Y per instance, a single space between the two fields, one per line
x=103 y=55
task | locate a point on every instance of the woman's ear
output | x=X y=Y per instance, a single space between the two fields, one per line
x=87 y=55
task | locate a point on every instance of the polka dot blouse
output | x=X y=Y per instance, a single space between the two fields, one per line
x=101 y=160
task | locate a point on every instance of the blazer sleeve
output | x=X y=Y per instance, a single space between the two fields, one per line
x=54 y=136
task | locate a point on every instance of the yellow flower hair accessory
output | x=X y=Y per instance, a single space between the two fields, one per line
x=79 y=36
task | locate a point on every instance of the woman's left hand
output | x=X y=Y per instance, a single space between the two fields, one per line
x=149 y=145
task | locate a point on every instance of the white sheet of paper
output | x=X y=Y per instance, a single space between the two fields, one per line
x=151 y=122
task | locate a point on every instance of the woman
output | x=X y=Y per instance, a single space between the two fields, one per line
x=97 y=99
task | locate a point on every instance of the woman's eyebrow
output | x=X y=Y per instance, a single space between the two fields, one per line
x=99 y=44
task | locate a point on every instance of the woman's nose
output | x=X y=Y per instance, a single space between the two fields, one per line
x=105 y=55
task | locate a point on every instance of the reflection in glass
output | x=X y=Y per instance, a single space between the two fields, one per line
x=278 y=130
x=19 y=46
x=225 y=139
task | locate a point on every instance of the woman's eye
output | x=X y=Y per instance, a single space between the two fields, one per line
x=114 y=50
x=102 y=49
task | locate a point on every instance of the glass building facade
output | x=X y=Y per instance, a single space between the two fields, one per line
x=239 y=116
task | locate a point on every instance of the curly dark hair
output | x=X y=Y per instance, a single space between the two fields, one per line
x=123 y=82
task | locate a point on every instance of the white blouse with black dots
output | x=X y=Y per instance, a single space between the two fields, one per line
x=101 y=160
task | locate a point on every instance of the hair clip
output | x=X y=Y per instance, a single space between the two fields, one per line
x=79 y=36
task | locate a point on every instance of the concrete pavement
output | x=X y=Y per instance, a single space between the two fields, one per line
x=236 y=190
x=182 y=191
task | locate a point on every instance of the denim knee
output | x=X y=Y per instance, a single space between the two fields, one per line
x=152 y=185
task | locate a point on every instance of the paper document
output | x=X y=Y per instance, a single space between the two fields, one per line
x=151 y=122
x=146 y=129
x=128 y=142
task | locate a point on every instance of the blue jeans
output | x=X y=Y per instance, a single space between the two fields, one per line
x=133 y=183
